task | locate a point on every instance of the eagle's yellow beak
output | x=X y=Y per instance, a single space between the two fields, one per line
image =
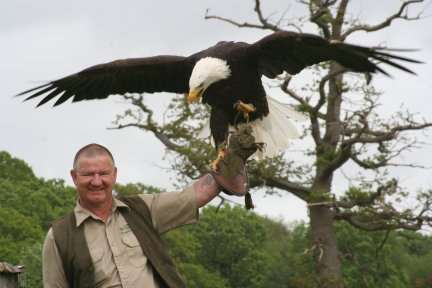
x=194 y=95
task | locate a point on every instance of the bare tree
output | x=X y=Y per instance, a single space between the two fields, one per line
x=344 y=126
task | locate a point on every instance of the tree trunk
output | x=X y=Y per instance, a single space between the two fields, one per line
x=325 y=250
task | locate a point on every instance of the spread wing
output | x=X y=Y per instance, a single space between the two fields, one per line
x=137 y=75
x=292 y=52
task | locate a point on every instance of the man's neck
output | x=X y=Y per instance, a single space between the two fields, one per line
x=103 y=211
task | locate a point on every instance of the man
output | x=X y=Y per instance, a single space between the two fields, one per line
x=114 y=242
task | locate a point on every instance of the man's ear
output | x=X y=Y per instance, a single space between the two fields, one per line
x=115 y=173
x=73 y=175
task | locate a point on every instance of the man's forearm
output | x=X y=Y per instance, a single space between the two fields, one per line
x=206 y=189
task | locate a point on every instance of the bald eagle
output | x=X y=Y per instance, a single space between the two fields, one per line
x=226 y=76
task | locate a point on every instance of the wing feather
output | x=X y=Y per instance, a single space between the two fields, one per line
x=63 y=98
x=292 y=52
x=136 y=75
x=46 y=88
x=50 y=96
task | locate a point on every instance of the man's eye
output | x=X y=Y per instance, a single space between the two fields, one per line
x=85 y=174
x=103 y=173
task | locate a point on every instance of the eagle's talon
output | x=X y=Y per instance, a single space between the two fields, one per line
x=220 y=157
x=244 y=108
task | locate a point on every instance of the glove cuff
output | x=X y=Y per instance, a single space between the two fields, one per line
x=235 y=185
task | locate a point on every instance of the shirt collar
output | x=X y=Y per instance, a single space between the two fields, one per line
x=82 y=214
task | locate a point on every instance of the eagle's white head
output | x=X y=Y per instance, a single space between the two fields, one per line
x=206 y=71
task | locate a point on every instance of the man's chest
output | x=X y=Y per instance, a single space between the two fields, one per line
x=116 y=253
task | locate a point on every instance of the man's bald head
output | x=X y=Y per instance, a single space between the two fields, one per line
x=92 y=150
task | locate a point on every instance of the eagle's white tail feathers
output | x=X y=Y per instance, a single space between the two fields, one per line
x=276 y=130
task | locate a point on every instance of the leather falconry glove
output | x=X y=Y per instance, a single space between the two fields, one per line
x=230 y=173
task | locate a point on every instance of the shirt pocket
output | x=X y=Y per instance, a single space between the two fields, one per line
x=133 y=248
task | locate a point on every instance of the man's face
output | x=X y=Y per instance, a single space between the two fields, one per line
x=94 y=178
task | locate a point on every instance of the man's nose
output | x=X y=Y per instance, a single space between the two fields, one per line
x=96 y=179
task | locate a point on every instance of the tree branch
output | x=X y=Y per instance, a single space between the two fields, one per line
x=381 y=136
x=313 y=112
x=265 y=24
x=284 y=87
x=278 y=173
x=367 y=199
x=373 y=213
x=296 y=189
x=384 y=221
x=387 y=22
x=383 y=158
x=321 y=88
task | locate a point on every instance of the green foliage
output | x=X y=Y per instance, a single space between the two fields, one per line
x=33 y=267
x=326 y=157
x=16 y=233
x=13 y=169
x=229 y=248
x=418 y=261
x=357 y=194
x=27 y=205
x=296 y=254
x=281 y=256
x=135 y=188
x=225 y=243
x=199 y=277
x=380 y=260
x=232 y=241
x=240 y=249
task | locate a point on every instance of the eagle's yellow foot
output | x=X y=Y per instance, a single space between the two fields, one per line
x=244 y=108
x=220 y=156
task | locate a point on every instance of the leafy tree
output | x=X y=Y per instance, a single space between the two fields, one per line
x=232 y=246
x=27 y=206
x=16 y=233
x=418 y=260
x=281 y=256
x=371 y=260
x=13 y=169
x=199 y=277
x=32 y=260
x=343 y=132
x=294 y=259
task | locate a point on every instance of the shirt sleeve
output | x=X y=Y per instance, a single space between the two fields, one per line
x=172 y=209
x=52 y=266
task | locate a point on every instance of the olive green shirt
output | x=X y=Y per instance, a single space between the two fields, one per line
x=117 y=257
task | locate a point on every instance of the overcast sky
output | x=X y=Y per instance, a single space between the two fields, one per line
x=47 y=39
